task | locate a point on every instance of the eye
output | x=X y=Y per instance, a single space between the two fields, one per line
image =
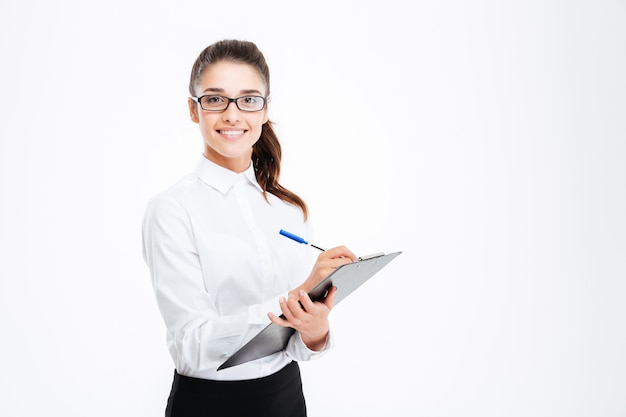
x=213 y=100
x=250 y=100
x=250 y=103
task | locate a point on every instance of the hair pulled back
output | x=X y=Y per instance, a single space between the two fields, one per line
x=266 y=152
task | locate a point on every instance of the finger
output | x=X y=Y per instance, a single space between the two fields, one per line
x=337 y=262
x=332 y=263
x=285 y=308
x=305 y=300
x=339 y=252
x=295 y=307
x=329 y=301
x=290 y=308
x=279 y=321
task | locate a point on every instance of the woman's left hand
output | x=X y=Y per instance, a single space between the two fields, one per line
x=307 y=317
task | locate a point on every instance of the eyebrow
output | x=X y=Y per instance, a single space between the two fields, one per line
x=221 y=90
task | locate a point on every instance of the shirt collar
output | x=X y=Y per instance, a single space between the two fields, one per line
x=222 y=179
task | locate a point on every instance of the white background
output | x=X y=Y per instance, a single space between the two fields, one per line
x=486 y=140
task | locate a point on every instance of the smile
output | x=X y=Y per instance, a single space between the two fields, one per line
x=231 y=133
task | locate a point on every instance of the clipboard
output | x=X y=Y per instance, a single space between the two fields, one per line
x=346 y=278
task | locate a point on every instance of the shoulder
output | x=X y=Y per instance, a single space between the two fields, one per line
x=173 y=199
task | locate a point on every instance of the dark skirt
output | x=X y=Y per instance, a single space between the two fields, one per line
x=277 y=395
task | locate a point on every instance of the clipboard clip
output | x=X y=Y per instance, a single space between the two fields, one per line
x=373 y=255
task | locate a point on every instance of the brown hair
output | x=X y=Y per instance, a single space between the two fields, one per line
x=266 y=152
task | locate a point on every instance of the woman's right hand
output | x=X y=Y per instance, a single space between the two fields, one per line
x=326 y=263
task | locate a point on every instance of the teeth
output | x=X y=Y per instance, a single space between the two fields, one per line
x=231 y=132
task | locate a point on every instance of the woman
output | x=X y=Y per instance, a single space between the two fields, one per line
x=220 y=270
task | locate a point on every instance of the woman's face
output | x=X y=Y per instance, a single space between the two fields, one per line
x=229 y=135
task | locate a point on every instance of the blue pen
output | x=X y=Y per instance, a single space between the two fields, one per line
x=298 y=239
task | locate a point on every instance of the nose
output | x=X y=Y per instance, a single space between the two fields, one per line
x=231 y=114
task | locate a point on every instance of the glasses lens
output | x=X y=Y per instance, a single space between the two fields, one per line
x=250 y=103
x=213 y=102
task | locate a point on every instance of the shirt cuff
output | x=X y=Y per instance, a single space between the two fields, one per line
x=257 y=314
x=298 y=351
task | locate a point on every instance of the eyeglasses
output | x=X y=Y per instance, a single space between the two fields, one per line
x=221 y=103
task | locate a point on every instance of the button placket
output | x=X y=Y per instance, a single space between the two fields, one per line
x=261 y=243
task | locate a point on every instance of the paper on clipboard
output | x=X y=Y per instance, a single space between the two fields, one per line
x=346 y=278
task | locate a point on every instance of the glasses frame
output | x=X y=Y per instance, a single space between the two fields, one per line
x=228 y=101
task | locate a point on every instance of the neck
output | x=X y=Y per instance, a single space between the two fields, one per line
x=238 y=165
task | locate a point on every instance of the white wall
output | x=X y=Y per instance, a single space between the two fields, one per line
x=486 y=140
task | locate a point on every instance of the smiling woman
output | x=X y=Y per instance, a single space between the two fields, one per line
x=219 y=268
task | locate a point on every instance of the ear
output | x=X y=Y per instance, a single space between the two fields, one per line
x=193 y=110
x=266 y=111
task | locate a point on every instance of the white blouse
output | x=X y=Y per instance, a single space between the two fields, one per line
x=218 y=265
